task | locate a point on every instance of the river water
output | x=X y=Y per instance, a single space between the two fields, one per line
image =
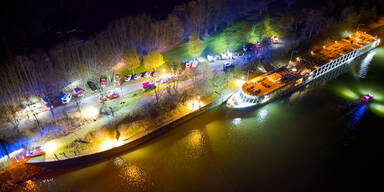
x=312 y=140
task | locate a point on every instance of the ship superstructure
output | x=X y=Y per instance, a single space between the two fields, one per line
x=297 y=73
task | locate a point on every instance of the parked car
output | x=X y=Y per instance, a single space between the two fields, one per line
x=92 y=85
x=136 y=76
x=146 y=74
x=78 y=92
x=212 y=58
x=116 y=79
x=155 y=73
x=191 y=63
x=148 y=86
x=228 y=66
x=103 y=82
x=127 y=78
x=47 y=102
x=109 y=95
x=275 y=40
x=112 y=95
x=34 y=152
x=167 y=78
x=65 y=98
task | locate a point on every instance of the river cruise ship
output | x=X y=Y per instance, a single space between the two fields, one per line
x=317 y=64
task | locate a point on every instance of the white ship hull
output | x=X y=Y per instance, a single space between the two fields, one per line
x=239 y=100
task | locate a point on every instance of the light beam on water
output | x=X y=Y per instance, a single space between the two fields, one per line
x=365 y=64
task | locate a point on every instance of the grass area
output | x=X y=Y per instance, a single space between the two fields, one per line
x=228 y=39
x=177 y=53
x=141 y=69
x=231 y=38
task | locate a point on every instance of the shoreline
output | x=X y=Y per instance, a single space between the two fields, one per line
x=132 y=142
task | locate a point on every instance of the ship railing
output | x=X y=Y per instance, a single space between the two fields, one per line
x=348 y=57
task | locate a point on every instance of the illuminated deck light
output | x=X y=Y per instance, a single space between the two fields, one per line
x=50 y=146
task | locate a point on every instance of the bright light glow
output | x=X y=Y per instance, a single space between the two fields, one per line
x=50 y=147
x=236 y=121
x=347 y=34
x=195 y=104
x=377 y=92
x=107 y=144
x=347 y=93
x=235 y=102
x=238 y=82
x=262 y=114
x=90 y=112
x=5 y=159
x=210 y=58
x=163 y=70
x=118 y=143
x=298 y=59
x=365 y=63
x=377 y=109
x=261 y=69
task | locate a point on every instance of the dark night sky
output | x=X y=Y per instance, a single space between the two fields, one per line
x=37 y=21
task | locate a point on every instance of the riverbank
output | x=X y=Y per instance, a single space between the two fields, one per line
x=25 y=170
x=130 y=143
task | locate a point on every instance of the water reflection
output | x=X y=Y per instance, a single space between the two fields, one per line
x=365 y=63
x=262 y=114
x=30 y=186
x=195 y=138
x=377 y=109
x=134 y=178
x=118 y=162
x=346 y=93
x=357 y=115
x=236 y=121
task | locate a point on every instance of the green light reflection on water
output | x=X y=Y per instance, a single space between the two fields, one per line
x=377 y=95
x=346 y=93
x=377 y=109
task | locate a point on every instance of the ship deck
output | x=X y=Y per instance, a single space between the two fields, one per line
x=271 y=81
x=268 y=82
x=339 y=48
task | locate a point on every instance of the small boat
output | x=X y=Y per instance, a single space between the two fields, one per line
x=367 y=98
